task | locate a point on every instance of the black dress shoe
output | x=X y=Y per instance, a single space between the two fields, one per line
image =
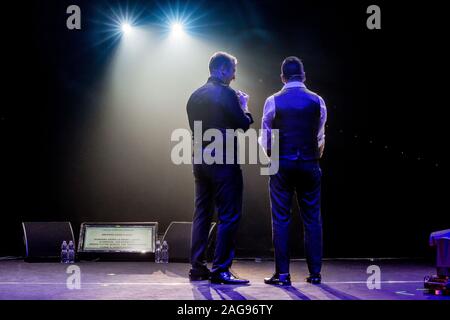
x=279 y=279
x=314 y=278
x=199 y=275
x=226 y=278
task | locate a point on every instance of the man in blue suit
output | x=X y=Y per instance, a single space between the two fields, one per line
x=300 y=116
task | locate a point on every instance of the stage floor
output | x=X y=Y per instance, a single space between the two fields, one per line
x=342 y=280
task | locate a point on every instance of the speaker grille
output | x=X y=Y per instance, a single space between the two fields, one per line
x=178 y=236
x=43 y=239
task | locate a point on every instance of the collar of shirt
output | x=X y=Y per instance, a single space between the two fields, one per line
x=294 y=84
x=217 y=80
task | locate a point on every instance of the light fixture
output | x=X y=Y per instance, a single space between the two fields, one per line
x=177 y=29
x=126 y=28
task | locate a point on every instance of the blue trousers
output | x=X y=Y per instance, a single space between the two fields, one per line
x=302 y=178
x=216 y=186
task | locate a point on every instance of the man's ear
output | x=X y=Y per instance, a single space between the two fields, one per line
x=283 y=79
x=223 y=70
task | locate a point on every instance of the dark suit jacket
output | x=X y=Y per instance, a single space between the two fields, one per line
x=217 y=105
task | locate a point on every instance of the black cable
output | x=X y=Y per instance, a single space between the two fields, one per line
x=6 y=258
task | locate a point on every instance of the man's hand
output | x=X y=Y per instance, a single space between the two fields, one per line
x=321 y=149
x=243 y=99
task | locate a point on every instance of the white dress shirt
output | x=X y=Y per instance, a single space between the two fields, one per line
x=265 y=138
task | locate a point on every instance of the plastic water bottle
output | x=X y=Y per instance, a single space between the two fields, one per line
x=158 y=252
x=71 y=252
x=165 y=252
x=64 y=252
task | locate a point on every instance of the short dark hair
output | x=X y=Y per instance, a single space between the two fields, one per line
x=292 y=69
x=219 y=59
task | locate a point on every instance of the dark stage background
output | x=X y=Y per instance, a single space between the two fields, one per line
x=384 y=187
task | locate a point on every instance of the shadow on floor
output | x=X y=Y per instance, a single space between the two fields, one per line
x=294 y=293
x=225 y=292
x=338 y=294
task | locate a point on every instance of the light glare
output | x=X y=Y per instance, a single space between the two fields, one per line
x=126 y=28
x=177 y=28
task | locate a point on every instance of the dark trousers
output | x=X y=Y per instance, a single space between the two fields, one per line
x=216 y=186
x=302 y=178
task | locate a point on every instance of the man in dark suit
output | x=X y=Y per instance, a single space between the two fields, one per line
x=217 y=106
x=299 y=115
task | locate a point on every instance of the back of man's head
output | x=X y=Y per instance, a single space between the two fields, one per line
x=221 y=59
x=292 y=69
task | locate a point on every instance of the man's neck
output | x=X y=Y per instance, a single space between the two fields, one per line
x=218 y=78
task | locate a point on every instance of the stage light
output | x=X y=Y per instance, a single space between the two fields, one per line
x=126 y=28
x=177 y=29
